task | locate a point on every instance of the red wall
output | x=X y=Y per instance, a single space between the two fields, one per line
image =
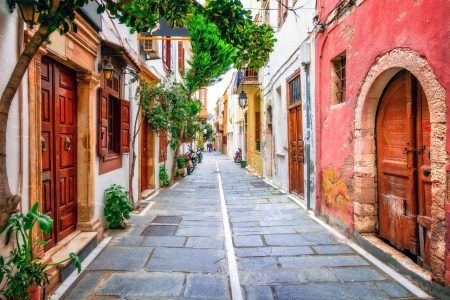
x=370 y=30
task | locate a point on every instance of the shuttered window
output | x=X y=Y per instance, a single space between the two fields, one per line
x=167 y=54
x=258 y=131
x=162 y=146
x=181 y=57
x=282 y=12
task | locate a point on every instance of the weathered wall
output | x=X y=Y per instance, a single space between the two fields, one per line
x=367 y=33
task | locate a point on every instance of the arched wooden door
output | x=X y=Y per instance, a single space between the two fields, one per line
x=403 y=161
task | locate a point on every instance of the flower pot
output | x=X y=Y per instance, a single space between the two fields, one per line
x=34 y=292
x=243 y=164
x=181 y=171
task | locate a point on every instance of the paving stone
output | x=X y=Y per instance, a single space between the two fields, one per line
x=187 y=260
x=333 y=291
x=121 y=258
x=316 y=275
x=333 y=249
x=301 y=239
x=127 y=240
x=164 y=241
x=257 y=263
x=144 y=284
x=309 y=261
x=244 y=224
x=264 y=230
x=199 y=231
x=85 y=286
x=393 y=289
x=274 y=276
x=207 y=287
x=259 y=293
x=205 y=243
x=273 y=251
x=358 y=274
x=247 y=241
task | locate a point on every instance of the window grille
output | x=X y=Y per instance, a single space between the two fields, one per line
x=295 y=90
x=339 y=66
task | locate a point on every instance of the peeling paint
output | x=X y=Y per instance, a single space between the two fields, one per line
x=335 y=191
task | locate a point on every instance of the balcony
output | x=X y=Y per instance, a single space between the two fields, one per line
x=247 y=76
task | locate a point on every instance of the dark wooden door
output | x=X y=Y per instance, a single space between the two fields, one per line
x=296 y=159
x=144 y=158
x=403 y=139
x=59 y=148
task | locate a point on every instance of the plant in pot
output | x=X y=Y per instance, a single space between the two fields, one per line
x=163 y=176
x=181 y=162
x=117 y=207
x=22 y=274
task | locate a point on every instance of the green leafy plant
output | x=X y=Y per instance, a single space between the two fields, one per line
x=117 y=207
x=163 y=176
x=181 y=161
x=21 y=269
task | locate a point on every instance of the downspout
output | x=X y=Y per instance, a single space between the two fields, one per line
x=308 y=138
x=20 y=46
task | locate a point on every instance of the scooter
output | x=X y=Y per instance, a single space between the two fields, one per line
x=238 y=156
x=199 y=154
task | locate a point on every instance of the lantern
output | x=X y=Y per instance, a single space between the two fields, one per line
x=108 y=69
x=28 y=11
x=243 y=100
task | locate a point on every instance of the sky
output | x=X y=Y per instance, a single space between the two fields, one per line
x=216 y=91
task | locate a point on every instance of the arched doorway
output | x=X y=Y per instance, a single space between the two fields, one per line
x=404 y=167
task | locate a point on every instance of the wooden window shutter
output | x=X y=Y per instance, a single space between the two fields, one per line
x=180 y=57
x=162 y=146
x=102 y=123
x=125 y=126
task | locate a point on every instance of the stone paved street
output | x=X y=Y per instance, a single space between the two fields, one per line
x=281 y=252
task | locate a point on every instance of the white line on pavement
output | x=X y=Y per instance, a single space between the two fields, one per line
x=236 y=292
x=418 y=292
x=65 y=286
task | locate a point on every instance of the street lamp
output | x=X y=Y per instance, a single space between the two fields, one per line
x=108 y=69
x=27 y=10
x=243 y=100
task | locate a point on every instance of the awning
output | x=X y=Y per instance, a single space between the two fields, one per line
x=112 y=49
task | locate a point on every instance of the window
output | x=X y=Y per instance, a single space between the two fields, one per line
x=113 y=123
x=338 y=79
x=167 y=54
x=162 y=146
x=258 y=131
x=282 y=12
x=294 y=90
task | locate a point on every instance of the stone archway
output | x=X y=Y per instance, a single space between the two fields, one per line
x=365 y=204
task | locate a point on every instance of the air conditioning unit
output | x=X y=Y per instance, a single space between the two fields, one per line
x=150 y=48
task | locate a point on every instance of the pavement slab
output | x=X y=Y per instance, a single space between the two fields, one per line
x=281 y=252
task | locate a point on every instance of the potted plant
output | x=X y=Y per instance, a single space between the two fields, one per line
x=117 y=207
x=23 y=275
x=243 y=164
x=181 y=162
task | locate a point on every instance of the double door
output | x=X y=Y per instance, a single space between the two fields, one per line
x=404 y=167
x=58 y=148
x=147 y=157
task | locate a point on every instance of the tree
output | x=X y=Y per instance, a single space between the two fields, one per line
x=253 y=44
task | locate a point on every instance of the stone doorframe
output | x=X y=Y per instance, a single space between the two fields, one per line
x=365 y=182
x=79 y=52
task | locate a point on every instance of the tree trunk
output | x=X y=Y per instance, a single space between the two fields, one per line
x=175 y=155
x=136 y=129
x=8 y=201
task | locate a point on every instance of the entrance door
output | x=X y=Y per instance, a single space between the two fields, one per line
x=147 y=158
x=403 y=158
x=58 y=142
x=296 y=158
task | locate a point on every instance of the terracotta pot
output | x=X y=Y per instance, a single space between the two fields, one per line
x=34 y=292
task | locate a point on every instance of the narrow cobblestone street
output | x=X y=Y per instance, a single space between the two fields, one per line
x=281 y=252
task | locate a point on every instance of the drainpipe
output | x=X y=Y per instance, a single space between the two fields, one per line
x=308 y=138
x=20 y=43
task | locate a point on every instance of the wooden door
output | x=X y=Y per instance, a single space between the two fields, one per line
x=403 y=140
x=59 y=148
x=144 y=158
x=296 y=159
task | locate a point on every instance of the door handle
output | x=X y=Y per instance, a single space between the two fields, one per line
x=67 y=144
x=426 y=172
x=43 y=144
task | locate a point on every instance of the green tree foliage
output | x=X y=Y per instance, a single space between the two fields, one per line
x=212 y=56
x=117 y=207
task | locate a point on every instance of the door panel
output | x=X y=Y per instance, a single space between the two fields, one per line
x=296 y=159
x=58 y=142
x=144 y=157
x=404 y=167
x=396 y=172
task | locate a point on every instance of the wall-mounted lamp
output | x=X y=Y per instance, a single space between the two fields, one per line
x=243 y=99
x=27 y=10
x=108 y=69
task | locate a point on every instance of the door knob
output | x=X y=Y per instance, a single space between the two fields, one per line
x=43 y=144
x=426 y=172
x=67 y=144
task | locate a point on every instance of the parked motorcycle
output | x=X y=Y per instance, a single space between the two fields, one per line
x=238 y=156
x=199 y=154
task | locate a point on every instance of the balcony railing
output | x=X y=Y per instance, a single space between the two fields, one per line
x=247 y=76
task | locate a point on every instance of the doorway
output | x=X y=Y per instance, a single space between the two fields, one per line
x=404 y=167
x=147 y=158
x=58 y=148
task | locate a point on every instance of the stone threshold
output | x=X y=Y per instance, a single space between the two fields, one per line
x=75 y=242
x=147 y=193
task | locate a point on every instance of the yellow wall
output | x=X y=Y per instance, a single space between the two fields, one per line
x=254 y=158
